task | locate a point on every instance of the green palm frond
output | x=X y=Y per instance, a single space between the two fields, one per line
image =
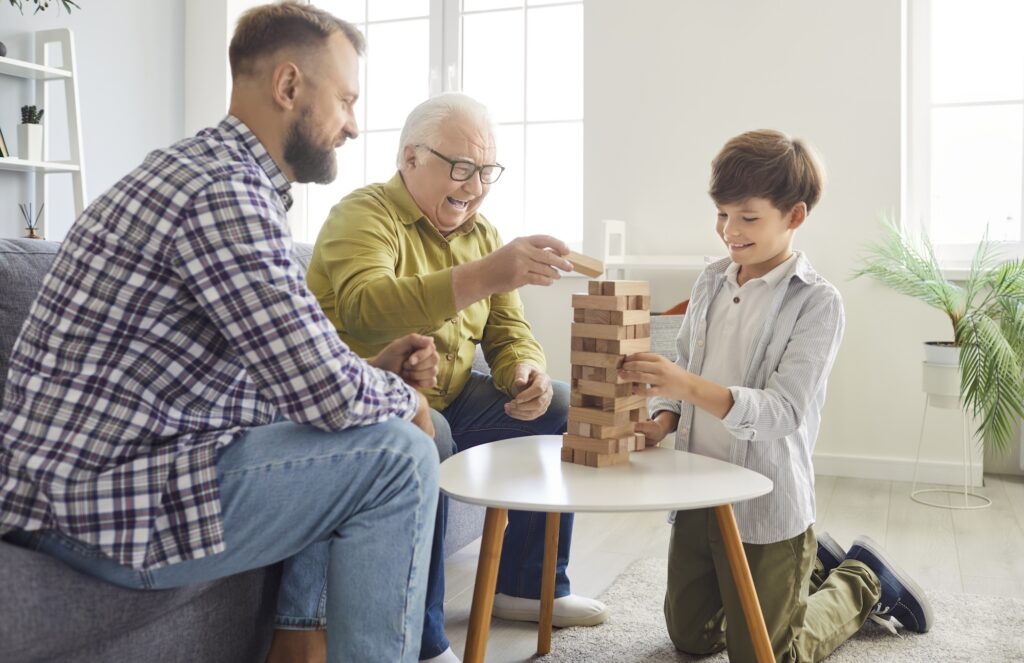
x=987 y=314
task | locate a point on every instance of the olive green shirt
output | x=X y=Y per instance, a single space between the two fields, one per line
x=381 y=270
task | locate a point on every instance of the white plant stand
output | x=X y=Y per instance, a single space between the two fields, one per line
x=941 y=384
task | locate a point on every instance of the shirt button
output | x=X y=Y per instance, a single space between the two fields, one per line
x=454 y=321
x=443 y=392
x=700 y=343
x=735 y=300
x=449 y=356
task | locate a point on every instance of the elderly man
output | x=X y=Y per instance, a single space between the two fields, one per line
x=413 y=255
x=138 y=440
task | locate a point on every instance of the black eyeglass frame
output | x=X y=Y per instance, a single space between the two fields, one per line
x=475 y=168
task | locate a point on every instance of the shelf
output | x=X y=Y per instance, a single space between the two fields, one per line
x=655 y=262
x=37 y=72
x=20 y=165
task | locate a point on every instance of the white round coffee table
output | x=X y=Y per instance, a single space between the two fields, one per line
x=527 y=474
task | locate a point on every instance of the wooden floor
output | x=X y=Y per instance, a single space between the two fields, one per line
x=973 y=552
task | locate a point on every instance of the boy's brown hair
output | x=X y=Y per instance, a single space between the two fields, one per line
x=767 y=164
x=263 y=30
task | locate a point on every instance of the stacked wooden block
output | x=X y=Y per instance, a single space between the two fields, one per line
x=611 y=321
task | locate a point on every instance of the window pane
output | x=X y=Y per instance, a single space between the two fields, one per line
x=384 y=10
x=504 y=204
x=322 y=197
x=483 y=5
x=554 y=51
x=396 y=77
x=977 y=50
x=381 y=151
x=353 y=11
x=492 y=62
x=976 y=173
x=554 y=181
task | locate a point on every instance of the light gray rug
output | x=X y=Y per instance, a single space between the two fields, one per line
x=968 y=628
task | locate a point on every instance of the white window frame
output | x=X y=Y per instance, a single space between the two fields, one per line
x=916 y=130
x=445 y=75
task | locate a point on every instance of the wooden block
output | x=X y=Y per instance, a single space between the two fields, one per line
x=641 y=331
x=638 y=303
x=578 y=428
x=595 y=359
x=600 y=331
x=582 y=344
x=594 y=287
x=641 y=442
x=591 y=267
x=639 y=415
x=601 y=446
x=577 y=372
x=619 y=318
x=567 y=454
x=601 y=388
x=588 y=415
x=600 y=302
x=624 y=288
x=623 y=347
x=597 y=374
x=608 y=460
x=621 y=430
x=622 y=403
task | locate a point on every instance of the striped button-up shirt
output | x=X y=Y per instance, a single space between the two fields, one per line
x=775 y=419
x=173 y=318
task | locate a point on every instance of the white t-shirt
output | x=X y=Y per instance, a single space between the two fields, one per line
x=735 y=318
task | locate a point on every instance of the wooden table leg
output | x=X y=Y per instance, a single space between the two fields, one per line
x=744 y=583
x=547 y=583
x=486 y=580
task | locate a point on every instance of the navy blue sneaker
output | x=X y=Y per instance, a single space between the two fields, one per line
x=901 y=597
x=830 y=553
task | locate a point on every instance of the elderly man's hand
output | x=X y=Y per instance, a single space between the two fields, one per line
x=533 y=260
x=533 y=392
x=414 y=358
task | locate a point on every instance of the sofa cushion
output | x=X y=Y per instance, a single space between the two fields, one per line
x=23 y=264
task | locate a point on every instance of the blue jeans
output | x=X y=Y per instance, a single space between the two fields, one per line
x=476 y=416
x=365 y=497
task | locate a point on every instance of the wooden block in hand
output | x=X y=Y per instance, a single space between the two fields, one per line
x=597 y=374
x=623 y=288
x=586 y=265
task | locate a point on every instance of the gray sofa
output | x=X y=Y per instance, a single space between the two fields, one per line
x=50 y=613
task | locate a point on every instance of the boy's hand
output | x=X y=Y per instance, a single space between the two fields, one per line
x=663 y=377
x=413 y=358
x=655 y=430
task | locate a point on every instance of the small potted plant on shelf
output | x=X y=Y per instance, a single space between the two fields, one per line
x=31 y=221
x=30 y=134
x=986 y=313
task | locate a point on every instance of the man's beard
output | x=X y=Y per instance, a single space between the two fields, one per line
x=309 y=162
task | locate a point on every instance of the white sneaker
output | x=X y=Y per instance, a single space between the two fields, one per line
x=569 y=610
x=447 y=656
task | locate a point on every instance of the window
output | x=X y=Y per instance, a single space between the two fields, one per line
x=522 y=58
x=965 y=121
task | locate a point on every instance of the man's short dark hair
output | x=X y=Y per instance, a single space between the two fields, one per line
x=266 y=29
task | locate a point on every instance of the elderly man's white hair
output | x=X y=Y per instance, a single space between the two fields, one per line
x=423 y=126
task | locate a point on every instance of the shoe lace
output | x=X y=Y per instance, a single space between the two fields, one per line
x=882 y=618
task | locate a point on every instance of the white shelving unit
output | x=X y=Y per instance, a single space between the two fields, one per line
x=42 y=72
x=617 y=262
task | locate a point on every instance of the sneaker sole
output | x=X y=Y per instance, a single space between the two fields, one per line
x=560 y=622
x=826 y=541
x=868 y=544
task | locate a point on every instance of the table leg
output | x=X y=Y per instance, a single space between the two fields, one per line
x=483 y=589
x=744 y=583
x=547 y=583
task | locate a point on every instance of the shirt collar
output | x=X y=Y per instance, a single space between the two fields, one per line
x=409 y=212
x=796 y=265
x=235 y=128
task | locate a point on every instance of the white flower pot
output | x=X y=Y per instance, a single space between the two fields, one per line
x=938 y=352
x=30 y=142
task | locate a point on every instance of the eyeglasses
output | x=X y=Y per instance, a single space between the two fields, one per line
x=464 y=170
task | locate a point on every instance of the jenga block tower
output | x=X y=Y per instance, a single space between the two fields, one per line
x=611 y=321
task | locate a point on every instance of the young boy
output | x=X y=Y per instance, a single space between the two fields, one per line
x=765 y=321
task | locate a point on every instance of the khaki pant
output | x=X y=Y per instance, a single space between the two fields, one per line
x=807 y=616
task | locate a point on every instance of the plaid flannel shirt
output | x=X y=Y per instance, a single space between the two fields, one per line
x=173 y=318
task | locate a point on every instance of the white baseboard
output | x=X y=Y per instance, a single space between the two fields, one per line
x=894 y=469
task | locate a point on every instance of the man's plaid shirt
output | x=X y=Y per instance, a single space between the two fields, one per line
x=173 y=318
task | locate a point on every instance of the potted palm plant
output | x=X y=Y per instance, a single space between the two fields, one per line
x=986 y=314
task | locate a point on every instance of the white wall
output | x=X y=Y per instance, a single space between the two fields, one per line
x=667 y=83
x=130 y=66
